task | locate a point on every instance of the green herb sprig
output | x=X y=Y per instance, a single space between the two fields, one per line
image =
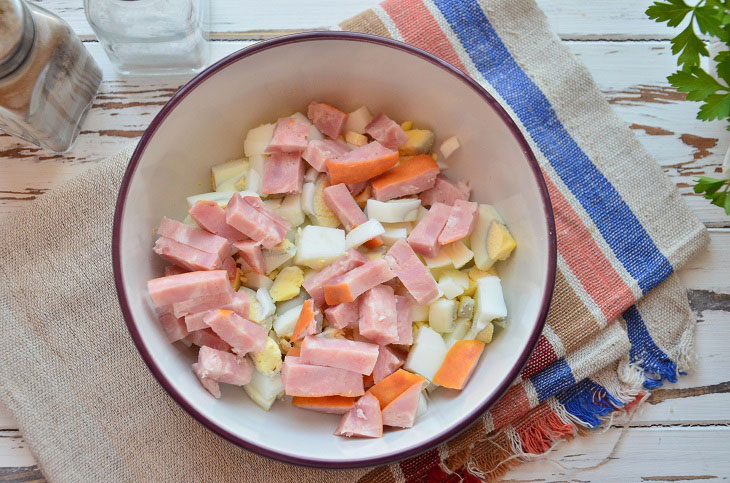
x=712 y=19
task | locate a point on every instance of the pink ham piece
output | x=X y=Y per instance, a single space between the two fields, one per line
x=389 y=360
x=320 y=150
x=176 y=288
x=462 y=219
x=239 y=305
x=378 y=316
x=314 y=285
x=252 y=217
x=186 y=256
x=229 y=265
x=357 y=188
x=386 y=131
x=357 y=281
x=364 y=419
x=404 y=307
x=290 y=135
x=340 y=353
x=328 y=119
x=208 y=338
x=401 y=412
x=251 y=253
x=174 y=327
x=242 y=334
x=210 y=385
x=174 y=270
x=339 y=199
x=283 y=174
x=194 y=237
x=210 y=216
x=412 y=273
x=224 y=367
x=444 y=191
x=201 y=304
x=343 y=315
x=424 y=238
x=302 y=379
x=408 y=178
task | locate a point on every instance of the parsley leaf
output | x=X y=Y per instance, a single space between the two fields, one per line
x=672 y=12
x=716 y=106
x=697 y=83
x=709 y=21
x=712 y=189
x=690 y=46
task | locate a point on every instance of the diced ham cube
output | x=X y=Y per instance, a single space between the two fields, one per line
x=328 y=119
x=404 y=307
x=401 y=412
x=309 y=321
x=412 y=273
x=224 y=367
x=461 y=222
x=174 y=327
x=229 y=265
x=174 y=270
x=194 y=237
x=251 y=253
x=340 y=353
x=283 y=174
x=186 y=256
x=210 y=216
x=389 y=360
x=424 y=237
x=302 y=379
x=338 y=199
x=208 y=338
x=361 y=164
x=242 y=334
x=343 y=315
x=209 y=384
x=314 y=285
x=239 y=305
x=378 y=315
x=325 y=404
x=444 y=191
x=364 y=419
x=357 y=188
x=408 y=178
x=386 y=131
x=319 y=151
x=201 y=304
x=176 y=288
x=290 y=135
x=357 y=281
x=250 y=216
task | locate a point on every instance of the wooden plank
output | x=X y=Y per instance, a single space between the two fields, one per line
x=642 y=454
x=662 y=120
x=709 y=271
x=615 y=20
x=13 y=450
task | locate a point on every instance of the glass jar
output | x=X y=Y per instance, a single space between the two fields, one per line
x=150 y=37
x=48 y=79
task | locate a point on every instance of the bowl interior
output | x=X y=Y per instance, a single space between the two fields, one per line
x=206 y=124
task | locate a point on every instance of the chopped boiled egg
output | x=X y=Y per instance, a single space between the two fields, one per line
x=419 y=141
x=285 y=322
x=267 y=304
x=268 y=361
x=393 y=211
x=458 y=253
x=442 y=314
x=264 y=389
x=226 y=175
x=356 y=139
x=320 y=213
x=449 y=146
x=440 y=260
x=486 y=215
x=499 y=242
x=358 y=119
x=419 y=313
x=290 y=208
x=287 y=284
x=486 y=334
x=318 y=246
x=489 y=303
x=362 y=233
x=461 y=327
x=466 y=308
x=222 y=198
x=392 y=235
x=426 y=354
x=314 y=134
x=256 y=281
x=452 y=282
x=406 y=125
x=257 y=139
x=278 y=255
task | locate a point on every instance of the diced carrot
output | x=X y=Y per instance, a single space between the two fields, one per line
x=405 y=171
x=306 y=316
x=394 y=385
x=360 y=170
x=294 y=351
x=373 y=243
x=459 y=364
x=224 y=312
x=325 y=404
x=337 y=294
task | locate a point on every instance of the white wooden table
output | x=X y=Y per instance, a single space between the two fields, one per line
x=683 y=433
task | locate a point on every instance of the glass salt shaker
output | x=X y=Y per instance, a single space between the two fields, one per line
x=148 y=37
x=48 y=79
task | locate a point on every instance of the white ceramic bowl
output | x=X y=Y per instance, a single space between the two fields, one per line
x=205 y=123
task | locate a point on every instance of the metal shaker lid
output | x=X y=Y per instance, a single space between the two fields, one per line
x=16 y=34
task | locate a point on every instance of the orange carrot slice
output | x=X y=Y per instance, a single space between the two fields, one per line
x=459 y=364
x=294 y=351
x=394 y=385
x=373 y=243
x=325 y=404
x=306 y=316
x=405 y=171
x=337 y=294
x=360 y=169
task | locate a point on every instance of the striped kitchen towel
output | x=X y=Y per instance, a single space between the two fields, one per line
x=619 y=323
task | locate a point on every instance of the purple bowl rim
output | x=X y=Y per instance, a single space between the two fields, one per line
x=358 y=37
